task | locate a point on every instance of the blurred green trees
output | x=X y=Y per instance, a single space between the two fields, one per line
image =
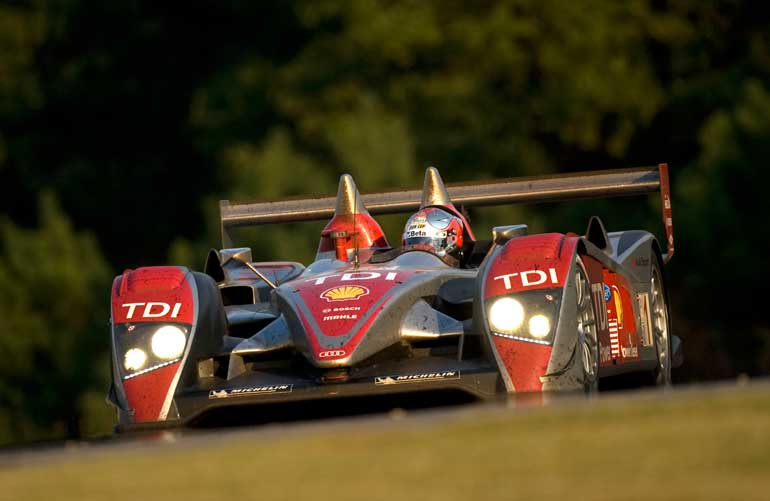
x=54 y=286
x=139 y=117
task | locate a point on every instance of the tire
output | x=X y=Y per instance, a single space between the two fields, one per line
x=588 y=341
x=661 y=325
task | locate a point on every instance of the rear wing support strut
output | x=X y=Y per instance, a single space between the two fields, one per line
x=557 y=188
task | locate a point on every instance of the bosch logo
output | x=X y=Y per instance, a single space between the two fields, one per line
x=331 y=354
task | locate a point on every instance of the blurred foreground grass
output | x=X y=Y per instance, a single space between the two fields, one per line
x=691 y=445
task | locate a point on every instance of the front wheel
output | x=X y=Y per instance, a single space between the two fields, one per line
x=588 y=342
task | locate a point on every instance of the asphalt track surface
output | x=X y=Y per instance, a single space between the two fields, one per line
x=37 y=453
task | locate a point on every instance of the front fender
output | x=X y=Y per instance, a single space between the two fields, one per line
x=144 y=300
x=539 y=271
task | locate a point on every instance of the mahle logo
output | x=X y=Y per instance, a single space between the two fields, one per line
x=345 y=293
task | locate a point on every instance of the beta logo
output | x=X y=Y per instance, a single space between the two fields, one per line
x=529 y=278
x=345 y=293
x=152 y=310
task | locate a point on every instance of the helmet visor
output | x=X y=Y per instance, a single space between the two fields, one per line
x=437 y=245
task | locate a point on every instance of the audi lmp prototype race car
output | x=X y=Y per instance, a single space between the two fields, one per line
x=367 y=325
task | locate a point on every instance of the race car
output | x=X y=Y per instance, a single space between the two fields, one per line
x=441 y=318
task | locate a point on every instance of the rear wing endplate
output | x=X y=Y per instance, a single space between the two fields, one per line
x=556 y=188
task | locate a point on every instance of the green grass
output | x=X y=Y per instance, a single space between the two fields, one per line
x=691 y=445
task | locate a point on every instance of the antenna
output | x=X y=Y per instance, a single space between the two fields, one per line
x=356 y=263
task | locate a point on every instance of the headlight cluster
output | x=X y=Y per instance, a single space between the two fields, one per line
x=167 y=342
x=507 y=315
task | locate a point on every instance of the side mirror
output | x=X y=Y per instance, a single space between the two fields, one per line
x=236 y=253
x=501 y=234
x=218 y=259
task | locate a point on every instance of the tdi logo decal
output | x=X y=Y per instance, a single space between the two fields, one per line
x=246 y=392
x=416 y=378
x=358 y=275
x=152 y=310
x=331 y=354
x=529 y=278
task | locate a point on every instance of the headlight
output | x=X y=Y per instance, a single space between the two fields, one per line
x=168 y=342
x=134 y=359
x=506 y=315
x=539 y=326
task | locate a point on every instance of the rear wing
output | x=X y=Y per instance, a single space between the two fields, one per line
x=556 y=188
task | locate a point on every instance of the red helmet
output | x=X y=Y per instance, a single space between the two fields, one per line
x=436 y=230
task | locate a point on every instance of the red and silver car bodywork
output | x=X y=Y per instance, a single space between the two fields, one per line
x=367 y=326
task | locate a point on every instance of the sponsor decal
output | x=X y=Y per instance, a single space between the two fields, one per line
x=600 y=305
x=345 y=293
x=630 y=352
x=416 y=378
x=529 y=278
x=338 y=309
x=254 y=390
x=642 y=261
x=358 y=275
x=605 y=354
x=340 y=313
x=331 y=318
x=152 y=310
x=618 y=305
x=331 y=354
x=645 y=317
x=607 y=293
x=614 y=340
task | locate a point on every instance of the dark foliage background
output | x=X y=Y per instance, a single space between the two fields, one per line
x=122 y=124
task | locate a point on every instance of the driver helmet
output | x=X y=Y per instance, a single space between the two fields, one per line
x=434 y=230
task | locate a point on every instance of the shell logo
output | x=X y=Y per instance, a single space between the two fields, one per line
x=345 y=293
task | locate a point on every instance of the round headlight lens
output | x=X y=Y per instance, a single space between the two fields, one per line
x=539 y=326
x=134 y=359
x=168 y=342
x=506 y=315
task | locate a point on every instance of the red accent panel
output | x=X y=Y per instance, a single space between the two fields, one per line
x=595 y=272
x=531 y=262
x=624 y=340
x=338 y=301
x=361 y=230
x=147 y=393
x=156 y=294
x=343 y=351
x=524 y=362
